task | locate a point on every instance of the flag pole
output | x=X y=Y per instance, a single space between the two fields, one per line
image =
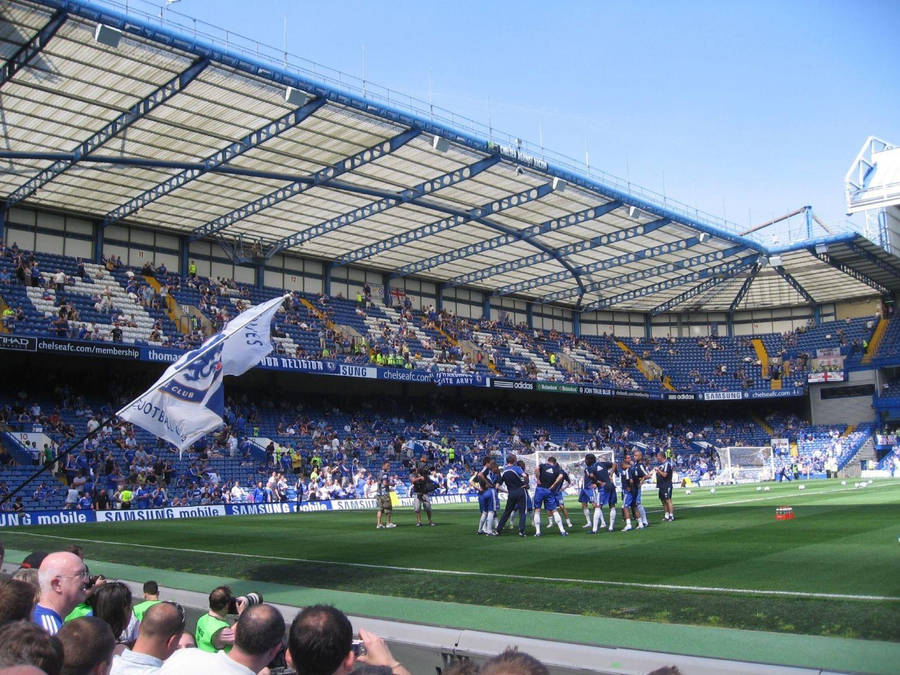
x=47 y=464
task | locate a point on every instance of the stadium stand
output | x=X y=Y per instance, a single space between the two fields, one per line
x=329 y=452
x=94 y=301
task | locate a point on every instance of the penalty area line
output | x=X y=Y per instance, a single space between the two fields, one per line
x=497 y=575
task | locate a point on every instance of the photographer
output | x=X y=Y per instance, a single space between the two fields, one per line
x=214 y=632
x=422 y=487
x=321 y=641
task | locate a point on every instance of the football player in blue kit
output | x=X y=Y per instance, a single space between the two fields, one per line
x=561 y=499
x=485 y=481
x=513 y=478
x=549 y=479
x=664 y=485
x=596 y=479
x=635 y=475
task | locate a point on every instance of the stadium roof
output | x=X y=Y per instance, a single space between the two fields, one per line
x=125 y=119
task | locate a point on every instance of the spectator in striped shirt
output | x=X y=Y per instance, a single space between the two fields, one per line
x=63 y=578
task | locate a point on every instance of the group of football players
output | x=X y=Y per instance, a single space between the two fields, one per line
x=598 y=490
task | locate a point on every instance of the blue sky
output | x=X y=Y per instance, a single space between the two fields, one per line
x=750 y=109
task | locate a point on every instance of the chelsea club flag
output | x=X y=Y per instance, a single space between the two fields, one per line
x=188 y=401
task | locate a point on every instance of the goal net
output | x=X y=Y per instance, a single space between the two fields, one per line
x=571 y=462
x=745 y=465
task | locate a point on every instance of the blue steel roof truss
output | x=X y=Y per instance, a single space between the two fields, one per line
x=28 y=51
x=252 y=140
x=552 y=225
x=456 y=219
x=409 y=195
x=850 y=272
x=721 y=270
x=561 y=252
x=743 y=290
x=640 y=275
x=323 y=176
x=788 y=277
x=122 y=122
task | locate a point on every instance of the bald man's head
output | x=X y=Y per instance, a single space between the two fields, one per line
x=161 y=628
x=62 y=578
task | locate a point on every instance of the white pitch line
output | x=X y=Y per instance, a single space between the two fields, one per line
x=782 y=495
x=496 y=575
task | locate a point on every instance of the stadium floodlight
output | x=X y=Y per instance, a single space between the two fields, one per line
x=821 y=249
x=107 y=35
x=296 y=97
x=703 y=237
x=559 y=185
x=632 y=210
x=440 y=144
x=775 y=261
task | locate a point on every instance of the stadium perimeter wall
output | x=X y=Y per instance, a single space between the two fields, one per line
x=848 y=402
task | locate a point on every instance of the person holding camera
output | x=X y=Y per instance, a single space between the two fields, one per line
x=321 y=642
x=214 y=632
x=422 y=487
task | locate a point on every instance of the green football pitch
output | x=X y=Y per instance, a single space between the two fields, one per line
x=726 y=561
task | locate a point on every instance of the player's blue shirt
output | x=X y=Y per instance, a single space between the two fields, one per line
x=548 y=475
x=47 y=619
x=666 y=468
x=635 y=473
x=602 y=476
x=513 y=477
x=566 y=479
x=592 y=476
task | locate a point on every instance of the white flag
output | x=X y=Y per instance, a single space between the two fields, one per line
x=188 y=401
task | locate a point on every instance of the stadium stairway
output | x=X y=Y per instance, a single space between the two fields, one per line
x=176 y=315
x=765 y=425
x=646 y=370
x=875 y=342
x=763 y=357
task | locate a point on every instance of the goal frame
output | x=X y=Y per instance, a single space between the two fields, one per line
x=571 y=461
x=732 y=470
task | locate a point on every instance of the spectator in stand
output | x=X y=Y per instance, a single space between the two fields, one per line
x=320 y=642
x=88 y=644
x=112 y=603
x=16 y=601
x=24 y=644
x=258 y=637
x=62 y=577
x=160 y=631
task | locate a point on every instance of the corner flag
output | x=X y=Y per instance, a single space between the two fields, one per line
x=188 y=401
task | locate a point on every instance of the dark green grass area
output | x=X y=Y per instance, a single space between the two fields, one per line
x=842 y=541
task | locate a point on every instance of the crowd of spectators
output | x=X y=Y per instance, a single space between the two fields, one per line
x=404 y=337
x=303 y=449
x=58 y=619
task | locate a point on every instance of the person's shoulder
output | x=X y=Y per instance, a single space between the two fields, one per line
x=190 y=661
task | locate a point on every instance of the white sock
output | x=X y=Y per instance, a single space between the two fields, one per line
x=489 y=524
x=558 y=521
x=628 y=522
x=587 y=514
x=568 y=522
x=537 y=522
x=612 y=516
x=643 y=513
x=482 y=522
x=598 y=516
